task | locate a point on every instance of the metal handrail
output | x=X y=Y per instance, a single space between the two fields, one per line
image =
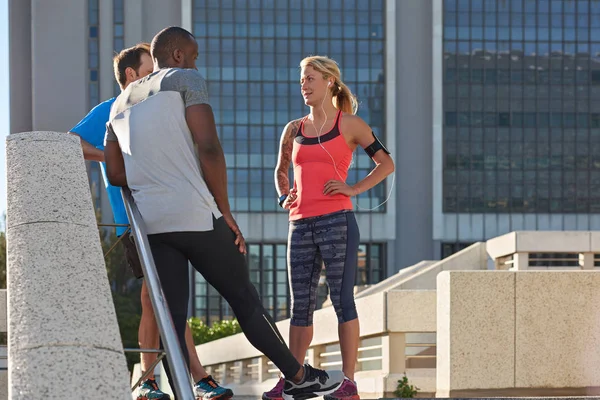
x=179 y=369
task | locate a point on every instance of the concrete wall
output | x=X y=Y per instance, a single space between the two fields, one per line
x=159 y=14
x=41 y=46
x=413 y=90
x=518 y=333
x=59 y=65
x=62 y=325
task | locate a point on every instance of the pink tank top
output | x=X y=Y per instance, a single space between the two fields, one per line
x=313 y=167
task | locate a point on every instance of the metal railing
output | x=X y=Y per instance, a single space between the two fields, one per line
x=179 y=370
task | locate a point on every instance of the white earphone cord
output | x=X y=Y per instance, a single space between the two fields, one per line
x=335 y=166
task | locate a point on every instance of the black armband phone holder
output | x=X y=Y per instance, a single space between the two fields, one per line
x=375 y=147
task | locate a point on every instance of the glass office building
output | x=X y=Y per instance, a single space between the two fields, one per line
x=522 y=106
x=521 y=129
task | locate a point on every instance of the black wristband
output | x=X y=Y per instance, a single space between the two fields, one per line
x=282 y=199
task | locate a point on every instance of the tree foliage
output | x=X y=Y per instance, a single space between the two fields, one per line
x=125 y=292
x=202 y=333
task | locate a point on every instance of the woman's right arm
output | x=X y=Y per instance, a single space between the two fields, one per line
x=284 y=159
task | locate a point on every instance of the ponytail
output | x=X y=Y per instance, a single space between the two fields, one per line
x=343 y=99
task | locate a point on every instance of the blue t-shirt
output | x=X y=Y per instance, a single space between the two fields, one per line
x=92 y=129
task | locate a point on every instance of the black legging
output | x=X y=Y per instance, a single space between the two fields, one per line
x=215 y=255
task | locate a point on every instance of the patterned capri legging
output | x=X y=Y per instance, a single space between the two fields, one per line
x=331 y=239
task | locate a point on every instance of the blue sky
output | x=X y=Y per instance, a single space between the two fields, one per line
x=4 y=107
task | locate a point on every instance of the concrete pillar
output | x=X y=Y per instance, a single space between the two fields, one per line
x=62 y=326
x=313 y=356
x=263 y=368
x=393 y=352
x=586 y=261
x=413 y=105
x=520 y=261
x=106 y=51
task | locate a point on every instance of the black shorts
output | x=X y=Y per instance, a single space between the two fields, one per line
x=131 y=254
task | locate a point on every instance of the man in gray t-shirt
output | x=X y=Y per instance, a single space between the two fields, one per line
x=161 y=141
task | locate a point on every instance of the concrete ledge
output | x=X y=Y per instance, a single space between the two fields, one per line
x=395 y=280
x=524 y=333
x=473 y=257
x=543 y=242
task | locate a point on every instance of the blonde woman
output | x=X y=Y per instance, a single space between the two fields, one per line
x=323 y=228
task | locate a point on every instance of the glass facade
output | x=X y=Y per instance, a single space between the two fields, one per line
x=521 y=106
x=250 y=51
x=268 y=272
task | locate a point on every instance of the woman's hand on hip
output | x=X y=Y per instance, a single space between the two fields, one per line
x=333 y=187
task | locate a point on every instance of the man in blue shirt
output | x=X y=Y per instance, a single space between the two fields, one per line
x=130 y=65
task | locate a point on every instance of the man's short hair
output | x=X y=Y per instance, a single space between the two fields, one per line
x=129 y=58
x=167 y=41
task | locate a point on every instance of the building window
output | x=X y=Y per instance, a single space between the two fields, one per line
x=93 y=53
x=249 y=54
x=453 y=247
x=267 y=264
x=118 y=33
x=521 y=133
x=371 y=264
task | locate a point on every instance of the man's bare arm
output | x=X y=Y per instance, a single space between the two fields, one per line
x=282 y=180
x=115 y=165
x=201 y=121
x=90 y=153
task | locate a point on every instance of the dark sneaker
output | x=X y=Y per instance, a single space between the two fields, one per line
x=276 y=393
x=207 y=388
x=347 y=391
x=315 y=383
x=149 y=391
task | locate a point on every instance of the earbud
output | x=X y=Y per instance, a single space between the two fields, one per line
x=329 y=84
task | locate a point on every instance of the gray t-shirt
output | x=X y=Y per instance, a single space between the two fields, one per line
x=161 y=163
